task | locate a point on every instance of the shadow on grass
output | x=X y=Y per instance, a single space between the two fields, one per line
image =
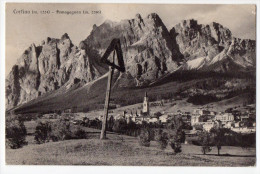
x=227 y=155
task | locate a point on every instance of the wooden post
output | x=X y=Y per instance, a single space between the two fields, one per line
x=109 y=82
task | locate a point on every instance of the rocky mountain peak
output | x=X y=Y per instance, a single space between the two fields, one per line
x=153 y=16
x=150 y=52
x=138 y=16
x=221 y=34
x=47 y=67
x=109 y=23
x=94 y=26
x=216 y=25
x=155 y=19
x=65 y=36
x=33 y=47
x=189 y=23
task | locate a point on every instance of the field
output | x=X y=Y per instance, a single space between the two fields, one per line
x=123 y=150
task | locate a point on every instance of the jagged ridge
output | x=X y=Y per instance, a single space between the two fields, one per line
x=150 y=52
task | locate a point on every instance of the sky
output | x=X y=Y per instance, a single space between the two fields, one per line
x=24 y=29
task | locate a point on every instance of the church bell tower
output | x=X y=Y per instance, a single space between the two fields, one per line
x=146 y=105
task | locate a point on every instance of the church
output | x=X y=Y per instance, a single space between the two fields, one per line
x=146 y=109
x=144 y=112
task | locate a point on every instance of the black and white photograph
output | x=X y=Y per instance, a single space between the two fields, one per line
x=114 y=84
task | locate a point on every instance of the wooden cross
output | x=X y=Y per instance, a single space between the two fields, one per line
x=114 y=46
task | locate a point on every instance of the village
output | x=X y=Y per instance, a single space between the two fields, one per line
x=240 y=121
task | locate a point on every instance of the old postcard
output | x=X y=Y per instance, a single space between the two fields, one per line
x=130 y=84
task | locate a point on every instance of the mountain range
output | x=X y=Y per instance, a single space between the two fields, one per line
x=58 y=68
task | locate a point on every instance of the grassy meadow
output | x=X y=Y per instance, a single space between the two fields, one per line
x=124 y=151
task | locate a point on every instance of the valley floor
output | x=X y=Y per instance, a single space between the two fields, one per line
x=124 y=150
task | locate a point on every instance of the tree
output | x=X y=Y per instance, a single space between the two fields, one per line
x=183 y=137
x=78 y=132
x=120 y=125
x=144 y=138
x=176 y=135
x=110 y=123
x=94 y=123
x=205 y=141
x=161 y=138
x=246 y=140
x=132 y=128
x=56 y=131
x=218 y=137
x=42 y=132
x=61 y=130
x=15 y=132
x=144 y=124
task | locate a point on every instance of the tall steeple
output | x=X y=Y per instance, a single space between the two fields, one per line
x=146 y=105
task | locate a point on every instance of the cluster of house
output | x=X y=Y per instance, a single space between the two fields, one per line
x=51 y=116
x=138 y=118
x=203 y=118
x=209 y=119
x=232 y=119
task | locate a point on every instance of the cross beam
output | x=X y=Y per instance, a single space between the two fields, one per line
x=114 y=46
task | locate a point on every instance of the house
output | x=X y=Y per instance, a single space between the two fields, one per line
x=128 y=115
x=252 y=129
x=128 y=120
x=195 y=119
x=134 y=116
x=153 y=120
x=117 y=116
x=186 y=118
x=212 y=113
x=237 y=124
x=100 y=117
x=244 y=117
x=163 y=118
x=228 y=124
x=224 y=117
x=201 y=112
x=200 y=115
x=244 y=130
x=139 y=120
x=208 y=125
